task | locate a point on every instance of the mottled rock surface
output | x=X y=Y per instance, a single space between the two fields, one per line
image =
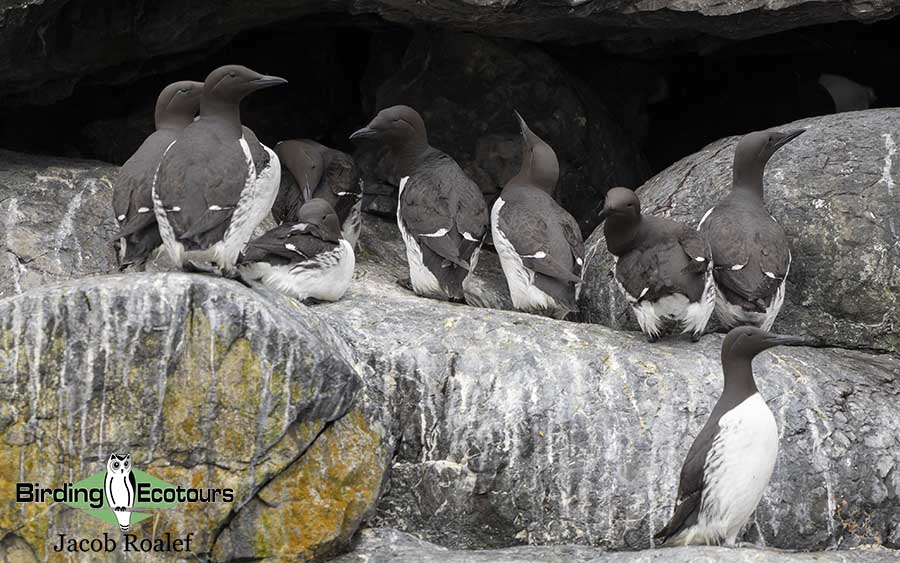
x=511 y=429
x=38 y=46
x=466 y=86
x=387 y=545
x=206 y=384
x=836 y=191
x=56 y=220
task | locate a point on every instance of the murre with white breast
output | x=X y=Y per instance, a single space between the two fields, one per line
x=440 y=211
x=539 y=243
x=750 y=250
x=208 y=197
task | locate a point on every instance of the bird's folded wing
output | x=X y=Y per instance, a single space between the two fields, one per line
x=572 y=232
x=528 y=233
x=427 y=214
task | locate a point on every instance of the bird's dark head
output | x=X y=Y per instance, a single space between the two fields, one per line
x=761 y=145
x=540 y=166
x=304 y=160
x=396 y=126
x=317 y=215
x=745 y=342
x=621 y=203
x=231 y=83
x=178 y=104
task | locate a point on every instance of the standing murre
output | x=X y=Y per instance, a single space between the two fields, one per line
x=539 y=243
x=306 y=259
x=138 y=236
x=207 y=196
x=441 y=212
x=661 y=266
x=750 y=251
x=320 y=172
x=731 y=460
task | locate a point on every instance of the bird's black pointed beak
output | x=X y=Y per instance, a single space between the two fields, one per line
x=786 y=340
x=364 y=133
x=266 y=81
x=788 y=137
x=604 y=213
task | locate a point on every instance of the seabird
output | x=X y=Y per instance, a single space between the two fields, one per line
x=138 y=236
x=440 y=211
x=750 y=250
x=731 y=461
x=539 y=243
x=661 y=266
x=306 y=259
x=208 y=197
x=321 y=172
x=847 y=94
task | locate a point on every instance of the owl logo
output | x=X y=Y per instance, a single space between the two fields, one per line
x=120 y=488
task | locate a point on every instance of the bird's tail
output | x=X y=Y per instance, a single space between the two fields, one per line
x=125 y=528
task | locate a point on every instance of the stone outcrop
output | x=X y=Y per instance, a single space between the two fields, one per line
x=386 y=545
x=509 y=428
x=113 y=40
x=56 y=220
x=836 y=191
x=206 y=385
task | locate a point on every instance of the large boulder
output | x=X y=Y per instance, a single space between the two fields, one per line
x=836 y=191
x=386 y=545
x=56 y=220
x=466 y=86
x=510 y=429
x=49 y=46
x=207 y=385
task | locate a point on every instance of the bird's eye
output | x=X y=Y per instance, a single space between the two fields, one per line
x=116 y=465
x=232 y=75
x=125 y=465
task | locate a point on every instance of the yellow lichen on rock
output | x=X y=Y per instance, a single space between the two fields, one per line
x=314 y=506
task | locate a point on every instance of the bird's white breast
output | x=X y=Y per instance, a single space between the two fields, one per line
x=737 y=471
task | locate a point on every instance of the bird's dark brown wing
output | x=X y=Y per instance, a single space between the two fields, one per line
x=690 y=486
x=428 y=209
x=542 y=246
x=285 y=244
x=750 y=253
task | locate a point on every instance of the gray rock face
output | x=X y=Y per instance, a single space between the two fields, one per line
x=836 y=191
x=466 y=86
x=56 y=220
x=387 y=545
x=164 y=28
x=509 y=428
x=205 y=384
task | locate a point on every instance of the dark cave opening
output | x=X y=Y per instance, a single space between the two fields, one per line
x=670 y=102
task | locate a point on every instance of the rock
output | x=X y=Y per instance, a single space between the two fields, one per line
x=509 y=428
x=388 y=545
x=56 y=220
x=206 y=384
x=466 y=86
x=835 y=191
x=113 y=41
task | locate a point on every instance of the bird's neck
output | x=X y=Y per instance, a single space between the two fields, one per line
x=739 y=380
x=748 y=178
x=408 y=154
x=225 y=113
x=622 y=233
